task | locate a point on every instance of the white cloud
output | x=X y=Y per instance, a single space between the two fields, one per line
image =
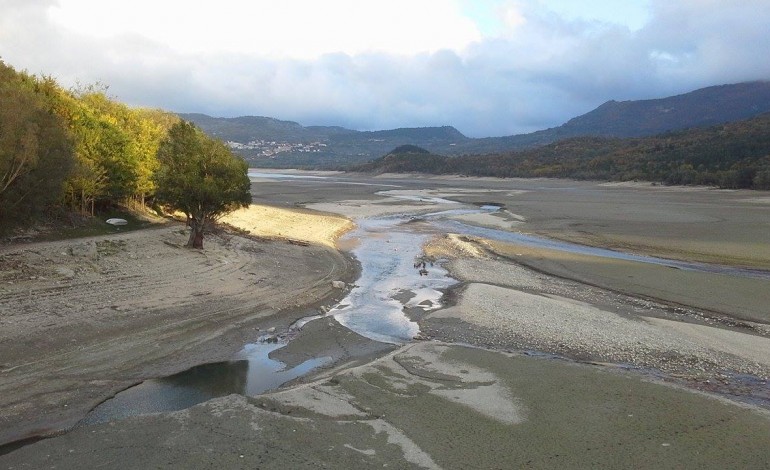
x=410 y=63
x=289 y=28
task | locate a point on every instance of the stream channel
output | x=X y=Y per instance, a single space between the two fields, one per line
x=377 y=307
x=387 y=249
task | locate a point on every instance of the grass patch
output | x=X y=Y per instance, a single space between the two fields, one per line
x=75 y=226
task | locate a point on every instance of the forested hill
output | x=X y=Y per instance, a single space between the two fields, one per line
x=700 y=108
x=735 y=155
x=271 y=142
x=405 y=159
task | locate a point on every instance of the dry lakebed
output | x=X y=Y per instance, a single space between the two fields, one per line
x=400 y=321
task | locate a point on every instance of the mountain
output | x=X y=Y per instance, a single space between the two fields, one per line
x=700 y=108
x=265 y=141
x=245 y=129
x=732 y=155
x=405 y=159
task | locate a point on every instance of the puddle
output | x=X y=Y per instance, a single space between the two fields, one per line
x=252 y=373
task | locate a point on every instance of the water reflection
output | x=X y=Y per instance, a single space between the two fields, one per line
x=252 y=374
x=389 y=282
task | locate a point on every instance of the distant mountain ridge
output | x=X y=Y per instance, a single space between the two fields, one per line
x=729 y=155
x=700 y=108
x=266 y=141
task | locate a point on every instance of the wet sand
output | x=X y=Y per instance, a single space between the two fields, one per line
x=439 y=404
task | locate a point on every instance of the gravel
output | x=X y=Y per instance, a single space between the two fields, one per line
x=550 y=323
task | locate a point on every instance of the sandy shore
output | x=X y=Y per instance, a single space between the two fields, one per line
x=291 y=224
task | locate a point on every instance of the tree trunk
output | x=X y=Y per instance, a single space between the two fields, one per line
x=196 y=234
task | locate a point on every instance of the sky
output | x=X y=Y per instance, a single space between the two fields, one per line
x=486 y=67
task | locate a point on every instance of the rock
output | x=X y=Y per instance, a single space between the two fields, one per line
x=84 y=250
x=338 y=284
x=65 y=272
x=271 y=329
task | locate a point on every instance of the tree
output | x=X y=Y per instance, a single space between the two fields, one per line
x=201 y=177
x=36 y=152
x=89 y=179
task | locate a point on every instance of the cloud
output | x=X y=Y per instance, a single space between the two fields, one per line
x=539 y=69
x=298 y=29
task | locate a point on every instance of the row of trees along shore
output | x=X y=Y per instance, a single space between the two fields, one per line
x=77 y=151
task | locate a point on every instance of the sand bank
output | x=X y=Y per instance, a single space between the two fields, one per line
x=294 y=224
x=552 y=323
x=81 y=319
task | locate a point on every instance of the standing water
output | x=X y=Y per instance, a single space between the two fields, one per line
x=389 y=282
x=252 y=373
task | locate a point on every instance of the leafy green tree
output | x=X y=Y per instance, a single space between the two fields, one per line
x=200 y=177
x=89 y=179
x=130 y=138
x=36 y=152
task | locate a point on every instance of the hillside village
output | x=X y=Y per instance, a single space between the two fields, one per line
x=271 y=149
